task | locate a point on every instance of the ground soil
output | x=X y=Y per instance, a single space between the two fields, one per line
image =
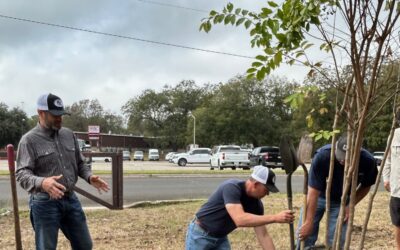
x=164 y=227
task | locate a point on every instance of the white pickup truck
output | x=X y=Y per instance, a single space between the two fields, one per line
x=197 y=155
x=229 y=156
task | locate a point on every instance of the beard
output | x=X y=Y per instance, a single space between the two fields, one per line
x=52 y=124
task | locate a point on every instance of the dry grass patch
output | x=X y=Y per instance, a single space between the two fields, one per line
x=164 y=227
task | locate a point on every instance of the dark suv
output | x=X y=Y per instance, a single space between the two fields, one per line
x=267 y=156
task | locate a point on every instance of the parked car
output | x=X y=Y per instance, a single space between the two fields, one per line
x=229 y=156
x=268 y=156
x=154 y=155
x=101 y=159
x=197 y=155
x=378 y=155
x=168 y=157
x=126 y=155
x=138 y=156
x=84 y=146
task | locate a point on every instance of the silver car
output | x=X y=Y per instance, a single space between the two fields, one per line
x=138 y=156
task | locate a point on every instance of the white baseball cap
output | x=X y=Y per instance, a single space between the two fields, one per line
x=265 y=176
x=51 y=103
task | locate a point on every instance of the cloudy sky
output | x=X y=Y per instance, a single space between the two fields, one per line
x=77 y=65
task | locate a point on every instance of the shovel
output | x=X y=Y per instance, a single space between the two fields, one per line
x=304 y=154
x=291 y=160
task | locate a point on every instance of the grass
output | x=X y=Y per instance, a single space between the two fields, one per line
x=164 y=226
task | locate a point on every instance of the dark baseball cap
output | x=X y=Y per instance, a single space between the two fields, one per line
x=51 y=103
x=265 y=176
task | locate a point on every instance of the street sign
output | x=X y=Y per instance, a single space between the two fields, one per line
x=94 y=132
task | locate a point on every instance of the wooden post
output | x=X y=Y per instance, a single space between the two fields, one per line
x=11 y=167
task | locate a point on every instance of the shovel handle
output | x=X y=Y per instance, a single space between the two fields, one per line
x=305 y=191
x=290 y=205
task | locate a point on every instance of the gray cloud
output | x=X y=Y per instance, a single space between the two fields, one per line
x=76 y=65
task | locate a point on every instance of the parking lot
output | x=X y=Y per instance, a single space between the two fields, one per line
x=136 y=165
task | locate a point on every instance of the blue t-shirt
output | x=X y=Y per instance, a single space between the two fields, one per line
x=319 y=172
x=213 y=215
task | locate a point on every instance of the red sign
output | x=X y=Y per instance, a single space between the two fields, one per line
x=94 y=132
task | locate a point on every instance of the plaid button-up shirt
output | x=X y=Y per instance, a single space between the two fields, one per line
x=46 y=152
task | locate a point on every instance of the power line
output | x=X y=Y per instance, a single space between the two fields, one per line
x=126 y=37
x=173 y=6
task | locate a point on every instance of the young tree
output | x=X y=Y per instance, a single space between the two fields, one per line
x=13 y=124
x=358 y=33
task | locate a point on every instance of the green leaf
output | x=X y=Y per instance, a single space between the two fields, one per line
x=227 y=19
x=278 y=57
x=300 y=53
x=240 y=21
x=265 y=12
x=213 y=13
x=309 y=120
x=261 y=74
x=289 y=98
x=269 y=51
x=233 y=19
x=256 y=64
x=281 y=37
x=308 y=46
x=261 y=58
x=229 y=7
x=272 y=4
x=326 y=135
x=245 y=12
x=237 y=11
x=220 y=18
x=251 y=70
x=247 y=24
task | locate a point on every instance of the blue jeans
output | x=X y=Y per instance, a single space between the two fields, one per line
x=48 y=216
x=198 y=239
x=319 y=213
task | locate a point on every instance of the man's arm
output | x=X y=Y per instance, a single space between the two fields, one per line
x=361 y=193
x=307 y=225
x=243 y=219
x=263 y=238
x=386 y=171
x=25 y=166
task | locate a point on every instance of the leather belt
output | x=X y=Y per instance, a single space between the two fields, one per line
x=198 y=222
x=68 y=193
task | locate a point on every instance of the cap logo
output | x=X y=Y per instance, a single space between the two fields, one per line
x=344 y=147
x=58 y=103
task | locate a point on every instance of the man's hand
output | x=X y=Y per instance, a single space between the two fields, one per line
x=99 y=183
x=305 y=230
x=53 y=188
x=386 y=184
x=286 y=216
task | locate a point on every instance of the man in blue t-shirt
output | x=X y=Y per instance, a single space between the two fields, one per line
x=317 y=182
x=236 y=203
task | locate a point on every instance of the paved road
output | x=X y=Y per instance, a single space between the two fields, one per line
x=155 y=187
